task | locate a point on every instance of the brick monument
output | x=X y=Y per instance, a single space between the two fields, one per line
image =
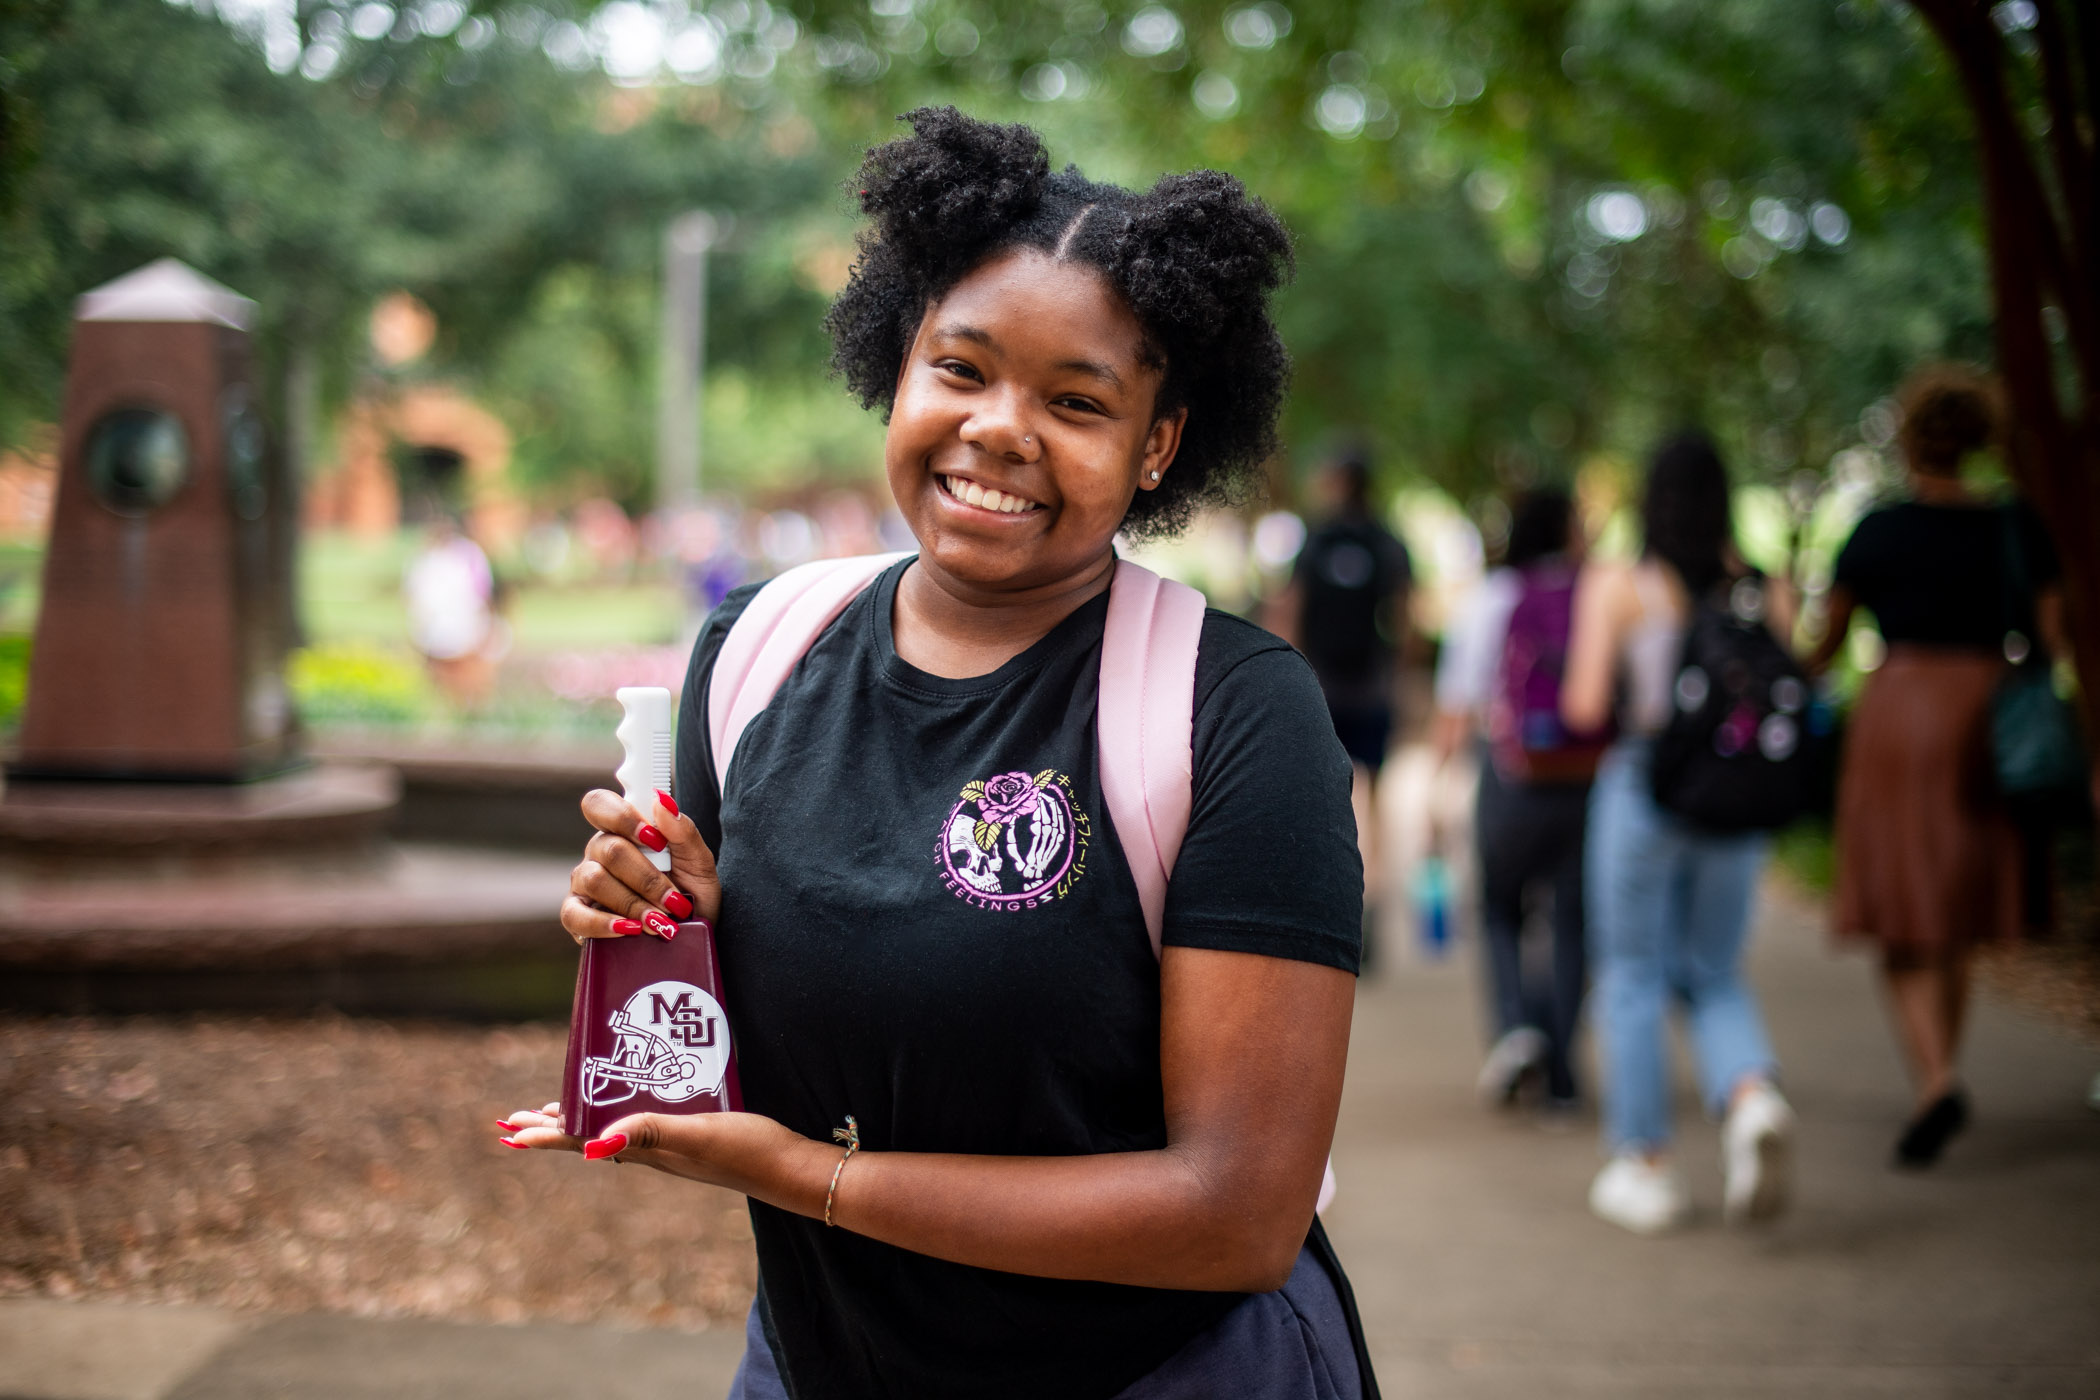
x=166 y=613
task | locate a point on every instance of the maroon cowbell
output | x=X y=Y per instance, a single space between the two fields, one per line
x=647 y=1033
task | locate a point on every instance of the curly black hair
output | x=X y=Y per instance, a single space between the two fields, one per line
x=1948 y=411
x=1686 y=520
x=1196 y=258
x=1539 y=521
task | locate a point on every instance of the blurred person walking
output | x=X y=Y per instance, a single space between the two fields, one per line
x=1669 y=903
x=1345 y=608
x=1500 y=677
x=1928 y=856
x=450 y=590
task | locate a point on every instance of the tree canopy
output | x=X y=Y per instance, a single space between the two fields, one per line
x=1531 y=232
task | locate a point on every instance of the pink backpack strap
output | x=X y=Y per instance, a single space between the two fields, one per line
x=1145 y=724
x=780 y=624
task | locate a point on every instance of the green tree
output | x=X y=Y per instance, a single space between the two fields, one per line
x=1530 y=231
x=483 y=177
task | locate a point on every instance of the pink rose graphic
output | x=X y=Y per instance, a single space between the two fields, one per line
x=1006 y=797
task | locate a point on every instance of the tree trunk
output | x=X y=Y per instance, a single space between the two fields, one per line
x=2042 y=249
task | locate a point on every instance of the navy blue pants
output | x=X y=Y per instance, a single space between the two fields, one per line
x=1366 y=731
x=1292 y=1344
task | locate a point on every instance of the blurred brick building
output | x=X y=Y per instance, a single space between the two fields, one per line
x=28 y=483
x=406 y=449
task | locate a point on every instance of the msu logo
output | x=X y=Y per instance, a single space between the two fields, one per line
x=670 y=1041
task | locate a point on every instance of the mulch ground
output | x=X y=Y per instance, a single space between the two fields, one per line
x=339 y=1165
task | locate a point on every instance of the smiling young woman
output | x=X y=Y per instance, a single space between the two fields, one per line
x=1023 y=422
x=1075 y=1171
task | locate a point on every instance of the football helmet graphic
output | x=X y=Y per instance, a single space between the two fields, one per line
x=670 y=1041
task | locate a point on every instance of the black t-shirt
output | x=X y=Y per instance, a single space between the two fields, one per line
x=1936 y=575
x=927 y=923
x=1348 y=571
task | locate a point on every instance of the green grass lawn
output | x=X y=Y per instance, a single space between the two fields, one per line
x=21 y=585
x=562 y=619
x=357 y=668
x=350 y=593
x=350 y=589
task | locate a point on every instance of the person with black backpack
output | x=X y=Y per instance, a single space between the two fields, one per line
x=1345 y=609
x=1499 y=676
x=1687 y=640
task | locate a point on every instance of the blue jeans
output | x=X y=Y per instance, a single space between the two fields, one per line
x=1669 y=911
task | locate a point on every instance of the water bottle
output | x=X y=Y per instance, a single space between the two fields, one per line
x=1432 y=889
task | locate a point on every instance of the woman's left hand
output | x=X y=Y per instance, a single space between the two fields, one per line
x=745 y=1152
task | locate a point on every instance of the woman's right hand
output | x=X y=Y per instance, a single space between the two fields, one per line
x=616 y=892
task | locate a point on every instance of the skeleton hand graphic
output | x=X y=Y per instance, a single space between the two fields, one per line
x=1046 y=838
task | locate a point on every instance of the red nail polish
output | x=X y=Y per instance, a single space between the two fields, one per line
x=663 y=800
x=626 y=928
x=659 y=925
x=649 y=836
x=678 y=904
x=601 y=1148
x=506 y=1125
x=522 y=1147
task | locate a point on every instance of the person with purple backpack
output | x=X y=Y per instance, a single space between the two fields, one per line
x=1500 y=677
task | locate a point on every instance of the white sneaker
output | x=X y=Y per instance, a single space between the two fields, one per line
x=1642 y=1196
x=1516 y=1055
x=1756 y=1154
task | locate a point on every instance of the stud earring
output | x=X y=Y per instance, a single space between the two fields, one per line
x=1155 y=476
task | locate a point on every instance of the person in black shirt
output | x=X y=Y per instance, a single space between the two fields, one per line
x=1084 y=1172
x=1346 y=609
x=1349 y=609
x=1928 y=860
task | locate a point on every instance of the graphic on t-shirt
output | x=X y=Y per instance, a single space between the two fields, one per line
x=671 y=1041
x=1015 y=841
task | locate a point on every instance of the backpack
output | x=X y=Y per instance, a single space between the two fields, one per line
x=1526 y=738
x=1348 y=570
x=1144 y=721
x=1741 y=750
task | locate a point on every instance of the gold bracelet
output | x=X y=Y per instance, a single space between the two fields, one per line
x=850 y=1135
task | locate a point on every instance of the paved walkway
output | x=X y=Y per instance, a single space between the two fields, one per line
x=1480 y=1273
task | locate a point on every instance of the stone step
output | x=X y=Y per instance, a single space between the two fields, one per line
x=413 y=928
